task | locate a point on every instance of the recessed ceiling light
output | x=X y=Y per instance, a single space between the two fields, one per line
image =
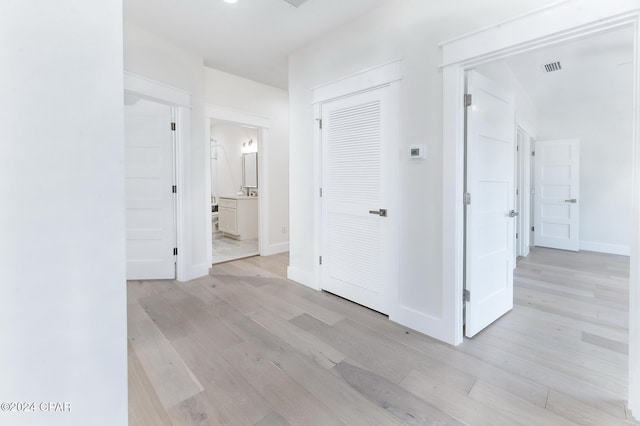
x=231 y=1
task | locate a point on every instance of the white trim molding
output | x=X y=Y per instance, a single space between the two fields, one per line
x=304 y=277
x=362 y=80
x=563 y=21
x=276 y=248
x=154 y=90
x=619 y=249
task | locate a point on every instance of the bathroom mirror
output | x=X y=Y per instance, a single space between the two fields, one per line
x=250 y=170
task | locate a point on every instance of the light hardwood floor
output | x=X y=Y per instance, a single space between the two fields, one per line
x=244 y=346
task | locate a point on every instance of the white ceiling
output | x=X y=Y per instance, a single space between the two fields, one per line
x=593 y=68
x=251 y=38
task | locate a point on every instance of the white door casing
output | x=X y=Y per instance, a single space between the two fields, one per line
x=523 y=179
x=355 y=158
x=149 y=179
x=557 y=194
x=490 y=185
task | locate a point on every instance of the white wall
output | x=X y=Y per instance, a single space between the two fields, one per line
x=155 y=58
x=254 y=98
x=226 y=170
x=62 y=267
x=604 y=127
x=411 y=30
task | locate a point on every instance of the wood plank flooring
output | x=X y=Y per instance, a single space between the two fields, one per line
x=245 y=346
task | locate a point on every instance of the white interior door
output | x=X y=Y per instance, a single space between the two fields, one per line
x=355 y=196
x=150 y=201
x=489 y=214
x=556 y=196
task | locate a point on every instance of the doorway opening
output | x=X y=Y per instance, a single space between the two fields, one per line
x=581 y=165
x=527 y=34
x=235 y=191
x=247 y=188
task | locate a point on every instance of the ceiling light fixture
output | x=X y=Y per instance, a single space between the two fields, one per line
x=231 y=1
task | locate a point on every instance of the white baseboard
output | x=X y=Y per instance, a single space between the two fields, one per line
x=197 y=271
x=275 y=249
x=605 y=248
x=301 y=276
x=438 y=328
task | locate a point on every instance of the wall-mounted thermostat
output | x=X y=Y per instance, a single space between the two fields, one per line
x=418 y=152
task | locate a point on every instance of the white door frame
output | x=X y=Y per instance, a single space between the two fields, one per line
x=263 y=124
x=524 y=191
x=557 y=23
x=180 y=102
x=385 y=74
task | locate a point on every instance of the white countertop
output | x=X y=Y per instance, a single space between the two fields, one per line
x=237 y=197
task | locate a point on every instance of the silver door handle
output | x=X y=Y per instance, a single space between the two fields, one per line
x=513 y=213
x=381 y=212
x=571 y=200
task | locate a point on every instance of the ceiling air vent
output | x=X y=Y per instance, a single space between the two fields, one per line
x=295 y=3
x=551 y=67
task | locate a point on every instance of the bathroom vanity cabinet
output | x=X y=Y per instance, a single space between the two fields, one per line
x=238 y=217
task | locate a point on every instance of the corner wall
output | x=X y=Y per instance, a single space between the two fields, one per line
x=62 y=244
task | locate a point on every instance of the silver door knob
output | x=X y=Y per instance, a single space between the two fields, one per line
x=381 y=212
x=513 y=213
x=571 y=200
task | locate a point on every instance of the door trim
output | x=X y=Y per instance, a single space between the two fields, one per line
x=180 y=102
x=559 y=23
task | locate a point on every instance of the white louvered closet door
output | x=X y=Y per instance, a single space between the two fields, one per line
x=353 y=137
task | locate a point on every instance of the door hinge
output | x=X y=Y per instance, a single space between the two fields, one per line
x=467 y=99
x=467 y=198
x=517 y=192
x=517 y=147
x=533 y=229
x=320 y=260
x=175 y=251
x=174 y=189
x=173 y=126
x=319 y=120
x=533 y=153
x=466 y=295
x=516 y=235
x=320 y=192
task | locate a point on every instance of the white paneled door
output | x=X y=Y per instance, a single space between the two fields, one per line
x=150 y=201
x=355 y=195
x=556 y=198
x=490 y=201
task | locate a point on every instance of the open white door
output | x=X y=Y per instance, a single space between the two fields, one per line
x=150 y=201
x=557 y=189
x=490 y=151
x=355 y=193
